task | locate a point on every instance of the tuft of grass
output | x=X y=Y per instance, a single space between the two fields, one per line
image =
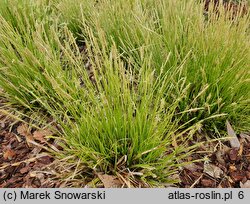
x=120 y=120
x=215 y=49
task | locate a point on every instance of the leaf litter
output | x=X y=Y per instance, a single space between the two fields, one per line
x=227 y=166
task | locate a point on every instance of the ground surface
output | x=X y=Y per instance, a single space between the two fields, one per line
x=24 y=163
x=225 y=166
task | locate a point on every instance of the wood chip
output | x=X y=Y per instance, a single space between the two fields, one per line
x=245 y=185
x=233 y=154
x=234 y=142
x=237 y=175
x=24 y=169
x=208 y=182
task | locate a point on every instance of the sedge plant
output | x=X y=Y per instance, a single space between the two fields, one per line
x=119 y=121
x=214 y=46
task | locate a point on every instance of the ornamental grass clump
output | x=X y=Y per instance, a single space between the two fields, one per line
x=127 y=83
x=118 y=120
x=214 y=44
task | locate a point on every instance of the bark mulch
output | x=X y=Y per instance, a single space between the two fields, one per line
x=226 y=165
x=24 y=162
x=21 y=165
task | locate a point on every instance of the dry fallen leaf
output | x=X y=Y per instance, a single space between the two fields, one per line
x=109 y=181
x=41 y=134
x=9 y=154
x=23 y=130
x=220 y=157
x=192 y=167
x=213 y=170
x=234 y=142
x=245 y=185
